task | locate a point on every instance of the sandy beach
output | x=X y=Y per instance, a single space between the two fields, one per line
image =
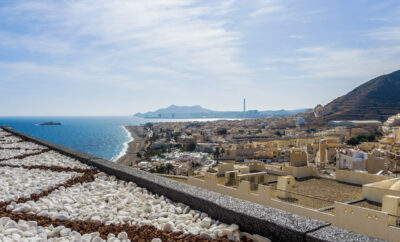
x=136 y=145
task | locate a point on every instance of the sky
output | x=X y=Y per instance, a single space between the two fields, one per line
x=119 y=57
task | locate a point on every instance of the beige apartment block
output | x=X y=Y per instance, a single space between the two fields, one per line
x=224 y=167
x=298 y=158
x=391 y=205
x=376 y=191
x=285 y=185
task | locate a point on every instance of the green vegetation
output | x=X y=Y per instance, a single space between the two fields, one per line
x=218 y=152
x=163 y=169
x=222 y=132
x=179 y=146
x=176 y=135
x=309 y=131
x=361 y=138
x=154 y=138
x=148 y=125
x=150 y=152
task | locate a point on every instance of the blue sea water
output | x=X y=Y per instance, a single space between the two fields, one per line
x=100 y=136
x=104 y=137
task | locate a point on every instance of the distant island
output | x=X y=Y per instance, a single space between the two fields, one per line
x=50 y=123
x=187 y=112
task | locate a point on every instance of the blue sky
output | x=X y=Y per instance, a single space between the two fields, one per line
x=102 y=57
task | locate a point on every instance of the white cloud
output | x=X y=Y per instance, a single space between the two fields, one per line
x=265 y=7
x=386 y=34
x=184 y=35
x=35 y=43
x=330 y=62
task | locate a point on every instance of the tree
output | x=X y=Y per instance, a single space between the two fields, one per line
x=222 y=132
x=169 y=167
x=216 y=153
x=148 y=125
x=353 y=141
x=179 y=146
x=161 y=169
x=176 y=135
x=371 y=138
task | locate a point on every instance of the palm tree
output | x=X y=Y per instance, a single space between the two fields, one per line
x=169 y=168
x=216 y=153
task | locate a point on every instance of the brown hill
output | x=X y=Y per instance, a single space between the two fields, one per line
x=377 y=99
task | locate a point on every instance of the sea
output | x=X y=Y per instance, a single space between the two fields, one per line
x=104 y=137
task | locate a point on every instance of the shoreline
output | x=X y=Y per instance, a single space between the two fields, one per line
x=125 y=145
x=137 y=144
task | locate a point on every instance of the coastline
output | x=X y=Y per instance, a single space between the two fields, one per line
x=125 y=145
x=137 y=144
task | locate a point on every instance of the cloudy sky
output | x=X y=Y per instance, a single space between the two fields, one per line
x=118 y=57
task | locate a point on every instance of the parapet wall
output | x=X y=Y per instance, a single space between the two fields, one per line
x=358 y=177
x=365 y=221
x=273 y=223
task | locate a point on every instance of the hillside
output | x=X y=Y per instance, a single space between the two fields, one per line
x=377 y=99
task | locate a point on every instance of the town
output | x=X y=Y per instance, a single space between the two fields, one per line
x=326 y=173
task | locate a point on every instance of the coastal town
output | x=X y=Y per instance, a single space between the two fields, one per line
x=199 y=121
x=321 y=172
x=368 y=146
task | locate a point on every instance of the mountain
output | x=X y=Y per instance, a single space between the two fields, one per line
x=376 y=99
x=199 y=112
x=180 y=110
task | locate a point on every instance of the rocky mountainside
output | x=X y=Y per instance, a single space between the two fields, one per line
x=376 y=99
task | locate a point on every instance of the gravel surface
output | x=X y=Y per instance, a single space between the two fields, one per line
x=9 y=140
x=369 y=204
x=110 y=201
x=10 y=230
x=23 y=145
x=10 y=154
x=22 y=183
x=319 y=193
x=51 y=158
